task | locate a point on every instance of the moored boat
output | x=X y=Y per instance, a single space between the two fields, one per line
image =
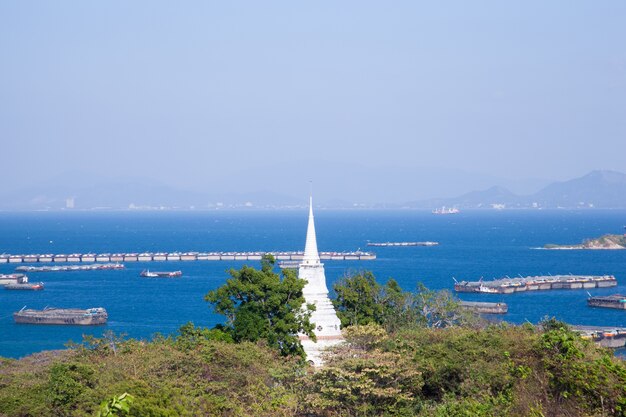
x=28 y=286
x=160 y=274
x=444 y=210
x=485 y=308
x=616 y=301
x=12 y=279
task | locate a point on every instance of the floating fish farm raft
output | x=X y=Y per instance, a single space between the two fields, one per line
x=69 y=316
x=180 y=256
x=536 y=283
x=616 y=301
x=385 y=244
x=59 y=268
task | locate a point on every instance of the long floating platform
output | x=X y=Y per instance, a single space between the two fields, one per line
x=386 y=244
x=535 y=283
x=179 y=256
x=57 y=268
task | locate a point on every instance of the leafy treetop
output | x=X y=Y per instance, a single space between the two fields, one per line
x=259 y=305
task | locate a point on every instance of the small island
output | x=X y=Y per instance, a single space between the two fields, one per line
x=602 y=242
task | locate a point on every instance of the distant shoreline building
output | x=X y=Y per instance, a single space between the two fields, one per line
x=327 y=324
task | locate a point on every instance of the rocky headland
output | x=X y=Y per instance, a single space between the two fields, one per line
x=605 y=242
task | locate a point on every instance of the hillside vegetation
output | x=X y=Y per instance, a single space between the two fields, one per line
x=405 y=354
x=500 y=370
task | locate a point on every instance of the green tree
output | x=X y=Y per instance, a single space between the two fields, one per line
x=440 y=308
x=399 y=307
x=259 y=305
x=362 y=379
x=191 y=336
x=361 y=300
x=67 y=382
x=358 y=300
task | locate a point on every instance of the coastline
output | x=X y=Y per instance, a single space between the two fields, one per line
x=604 y=242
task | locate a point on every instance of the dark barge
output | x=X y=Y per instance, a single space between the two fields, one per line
x=485 y=308
x=28 y=286
x=65 y=316
x=616 y=301
x=610 y=337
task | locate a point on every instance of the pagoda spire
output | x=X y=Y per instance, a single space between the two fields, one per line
x=311 y=255
x=324 y=318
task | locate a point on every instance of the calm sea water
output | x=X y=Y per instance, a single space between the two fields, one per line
x=472 y=244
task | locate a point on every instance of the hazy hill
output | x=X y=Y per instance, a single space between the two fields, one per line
x=134 y=193
x=473 y=199
x=602 y=189
x=598 y=189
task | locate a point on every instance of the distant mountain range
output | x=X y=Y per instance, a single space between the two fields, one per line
x=598 y=189
x=135 y=194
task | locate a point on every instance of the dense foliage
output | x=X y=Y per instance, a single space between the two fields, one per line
x=406 y=354
x=259 y=305
x=183 y=376
x=500 y=370
x=362 y=300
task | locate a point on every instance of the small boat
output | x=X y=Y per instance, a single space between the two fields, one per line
x=444 y=210
x=488 y=290
x=289 y=264
x=32 y=286
x=13 y=279
x=161 y=274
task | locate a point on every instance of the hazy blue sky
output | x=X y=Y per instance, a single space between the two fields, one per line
x=197 y=93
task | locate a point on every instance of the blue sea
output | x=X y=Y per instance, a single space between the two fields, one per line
x=473 y=244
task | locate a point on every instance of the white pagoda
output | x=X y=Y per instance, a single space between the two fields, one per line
x=327 y=324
